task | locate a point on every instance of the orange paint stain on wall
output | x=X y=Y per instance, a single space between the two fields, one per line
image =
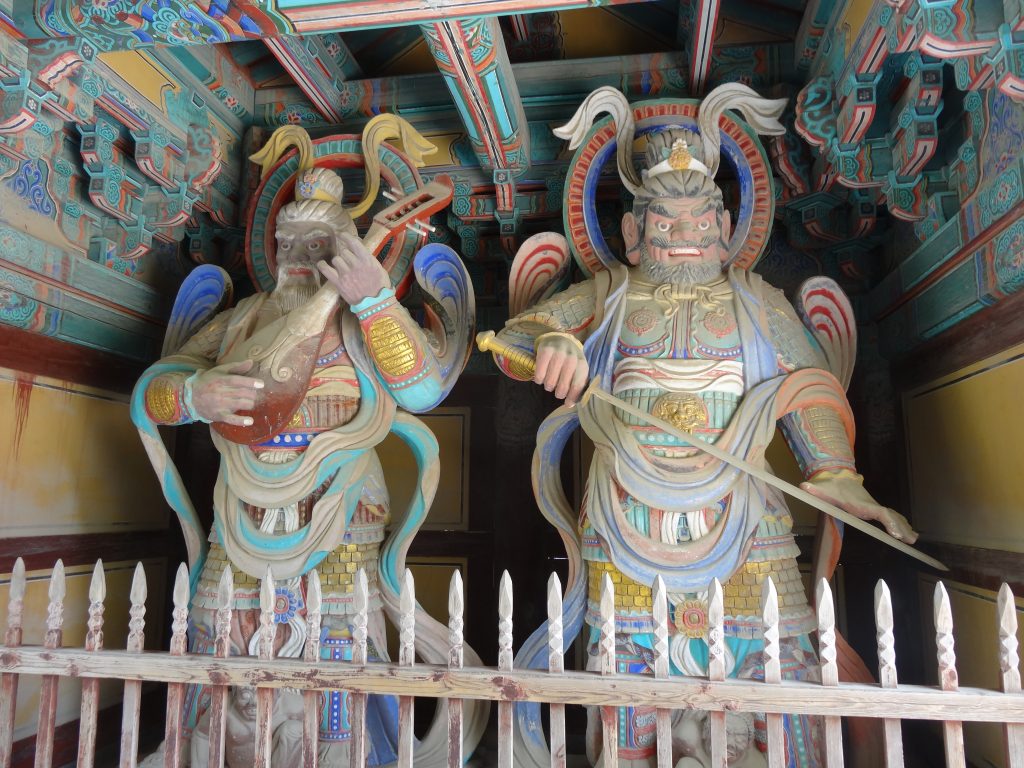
x=22 y=400
x=73 y=461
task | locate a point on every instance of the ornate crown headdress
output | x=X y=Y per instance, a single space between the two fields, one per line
x=762 y=115
x=313 y=183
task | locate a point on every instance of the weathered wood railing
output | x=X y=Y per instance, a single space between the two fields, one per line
x=888 y=700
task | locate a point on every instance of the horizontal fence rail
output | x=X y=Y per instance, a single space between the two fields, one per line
x=605 y=688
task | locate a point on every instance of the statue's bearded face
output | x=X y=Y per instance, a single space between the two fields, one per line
x=685 y=230
x=300 y=245
x=680 y=239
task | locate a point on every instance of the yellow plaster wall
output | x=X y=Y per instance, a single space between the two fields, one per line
x=854 y=16
x=450 y=510
x=71 y=462
x=593 y=32
x=433 y=576
x=76 y=604
x=144 y=75
x=965 y=440
x=415 y=60
x=443 y=156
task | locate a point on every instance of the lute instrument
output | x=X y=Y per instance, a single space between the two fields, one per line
x=284 y=352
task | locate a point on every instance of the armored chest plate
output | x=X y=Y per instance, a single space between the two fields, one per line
x=680 y=324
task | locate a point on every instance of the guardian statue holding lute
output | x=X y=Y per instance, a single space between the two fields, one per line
x=299 y=383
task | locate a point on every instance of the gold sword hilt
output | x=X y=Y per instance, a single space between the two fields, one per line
x=521 y=363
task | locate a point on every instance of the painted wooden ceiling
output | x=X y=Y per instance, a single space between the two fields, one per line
x=127 y=123
x=488 y=91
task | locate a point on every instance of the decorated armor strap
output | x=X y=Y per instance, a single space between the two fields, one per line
x=399 y=356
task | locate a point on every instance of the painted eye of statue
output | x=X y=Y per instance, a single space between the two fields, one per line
x=285 y=246
x=664 y=226
x=704 y=225
x=315 y=245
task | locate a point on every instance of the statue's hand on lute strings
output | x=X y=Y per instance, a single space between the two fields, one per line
x=220 y=393
x=561 y=366
x=354 y=272
x=845 y=490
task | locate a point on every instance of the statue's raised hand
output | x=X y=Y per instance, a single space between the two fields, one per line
x=354 y=272
x=561 y=366
x=844 y=489
x=220 y=393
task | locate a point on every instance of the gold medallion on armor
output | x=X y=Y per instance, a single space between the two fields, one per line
x=691 y=618
x=162 y=400
x=682 y=410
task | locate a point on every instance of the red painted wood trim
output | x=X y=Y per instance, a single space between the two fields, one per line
x=968 y=250
x=41 y=552
x=39 y=355
x=979 y=567
x=981 y=335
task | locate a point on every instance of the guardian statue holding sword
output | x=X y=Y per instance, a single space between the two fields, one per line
x=686 y=361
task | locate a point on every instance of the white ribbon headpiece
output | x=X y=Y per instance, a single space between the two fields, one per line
x=679 y=159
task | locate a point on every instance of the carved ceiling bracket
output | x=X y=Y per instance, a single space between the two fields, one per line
x=471 y=57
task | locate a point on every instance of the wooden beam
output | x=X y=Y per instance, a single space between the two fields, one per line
x=368 y=14
x=319 y=65
x=981 y=335
x=37 y=355
x=471 y=56
x=41 y=552
x=980 y=567
x=489 y=684
x=239 y=20
x=698 y=20
x=208 y=70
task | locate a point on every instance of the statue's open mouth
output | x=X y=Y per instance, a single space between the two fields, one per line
x=685 y=252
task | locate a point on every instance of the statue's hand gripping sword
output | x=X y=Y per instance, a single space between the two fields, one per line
x=518 y=358
x=488 y=342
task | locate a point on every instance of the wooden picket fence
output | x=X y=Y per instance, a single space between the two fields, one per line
x=887 y=700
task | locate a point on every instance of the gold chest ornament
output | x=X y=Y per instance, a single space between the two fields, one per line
x=683 y=410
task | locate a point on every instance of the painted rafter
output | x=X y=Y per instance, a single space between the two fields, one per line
x=319 y=65
x=812 y=29
x=211 y=70
x=382 y=13
x=471 y=57
x=863 y=142
x=520 y=29
x=548 y=90
x=122 y=195
x=698 y=20
x=237 y=20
